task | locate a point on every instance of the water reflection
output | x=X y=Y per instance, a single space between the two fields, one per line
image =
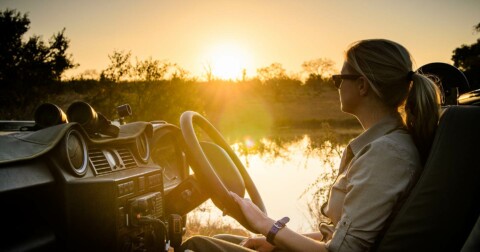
x=292 y=175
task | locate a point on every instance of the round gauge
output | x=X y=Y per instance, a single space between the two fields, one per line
x=143 y=147
x=76 y=152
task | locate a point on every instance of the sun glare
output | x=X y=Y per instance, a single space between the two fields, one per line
x=249 y=143
x=227 y=61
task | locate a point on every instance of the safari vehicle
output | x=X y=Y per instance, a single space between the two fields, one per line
x=89 y=185
x=76 y=181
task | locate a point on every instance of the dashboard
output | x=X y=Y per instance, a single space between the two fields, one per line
x=64 y=186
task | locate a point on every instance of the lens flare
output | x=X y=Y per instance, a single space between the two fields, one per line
x=249 y=143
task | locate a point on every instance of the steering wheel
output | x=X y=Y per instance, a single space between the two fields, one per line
x=208 y=175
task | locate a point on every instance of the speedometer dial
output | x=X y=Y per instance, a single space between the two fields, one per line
x=76 y=152
x=143 y=148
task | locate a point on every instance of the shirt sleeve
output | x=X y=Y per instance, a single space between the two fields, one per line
x=376 y=179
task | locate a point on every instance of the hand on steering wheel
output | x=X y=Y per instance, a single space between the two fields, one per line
x=208 y=175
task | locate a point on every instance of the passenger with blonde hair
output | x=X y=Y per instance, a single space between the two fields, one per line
x=399 y=110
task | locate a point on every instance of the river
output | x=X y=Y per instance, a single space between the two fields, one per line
x=293 y=178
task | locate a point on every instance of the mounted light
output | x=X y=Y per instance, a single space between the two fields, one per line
x=91 y=121
x=48 y=114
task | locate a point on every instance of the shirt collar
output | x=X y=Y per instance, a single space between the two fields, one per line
x=384 y=126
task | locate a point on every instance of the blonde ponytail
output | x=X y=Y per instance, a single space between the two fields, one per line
x=422 y=109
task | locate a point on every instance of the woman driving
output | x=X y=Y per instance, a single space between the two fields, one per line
x=398 y=110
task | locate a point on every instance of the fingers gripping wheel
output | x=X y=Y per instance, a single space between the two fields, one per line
x=207 y=174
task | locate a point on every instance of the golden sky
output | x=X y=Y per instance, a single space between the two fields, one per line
x=232 y=35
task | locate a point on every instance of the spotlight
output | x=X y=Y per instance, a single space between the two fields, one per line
x=48 y=114
x=92 y=122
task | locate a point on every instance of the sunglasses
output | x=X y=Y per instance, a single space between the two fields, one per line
x=338 y=78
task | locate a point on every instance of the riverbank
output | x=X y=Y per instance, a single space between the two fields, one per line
x=291 y=115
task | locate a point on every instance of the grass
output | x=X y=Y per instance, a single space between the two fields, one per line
x=210 y=226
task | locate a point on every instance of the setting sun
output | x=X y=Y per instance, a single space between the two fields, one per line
x=226 y=61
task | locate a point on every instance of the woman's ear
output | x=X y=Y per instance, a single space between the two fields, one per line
x=363 y=86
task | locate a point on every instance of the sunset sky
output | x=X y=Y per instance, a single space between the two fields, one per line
x=232 y=35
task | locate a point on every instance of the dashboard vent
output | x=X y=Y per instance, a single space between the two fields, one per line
x=99 y=161
x=127 y=157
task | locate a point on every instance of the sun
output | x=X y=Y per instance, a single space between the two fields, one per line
x=227 y=61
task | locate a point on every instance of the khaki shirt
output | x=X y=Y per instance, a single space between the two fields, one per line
x=368 y=187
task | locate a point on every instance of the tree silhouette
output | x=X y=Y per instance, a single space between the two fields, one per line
x=322 y=66
x=150 y=70
x=13 y=25
x=28 y=69
x=120 y=67
x=274 y=72
x=467 y=59
x=319 y=72
x=34 y=60
x=175 y=73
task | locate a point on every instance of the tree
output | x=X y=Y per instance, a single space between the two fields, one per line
x=150 y=70
x=13 y=25
x=176 y=72
x=318 y=71
x=119 y=68
x=28 y=70
x=32 y=61
x=322 y=67
x=273 y=72
x=57 y=55
x=467 y=59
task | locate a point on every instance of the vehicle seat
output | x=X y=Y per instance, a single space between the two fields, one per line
x=444 y=205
